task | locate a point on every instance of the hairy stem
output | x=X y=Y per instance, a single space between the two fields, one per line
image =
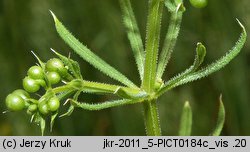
x=151 y=118
x=152 y=45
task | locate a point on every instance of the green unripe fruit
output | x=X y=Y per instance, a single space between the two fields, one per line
x=15 y=102
x=35 y=72
x=54 y=104
x=198 y=3
x=32 y=108
x=22 y=93
x=53 y=77
x=43 y=108
x=30 y=85
x=55 y=65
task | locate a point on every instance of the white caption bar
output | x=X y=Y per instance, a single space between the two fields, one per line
x=124 y=143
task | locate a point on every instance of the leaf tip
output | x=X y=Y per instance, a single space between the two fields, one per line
x=53 y=50
x=33 y=53
x=186 y=120
x=199 y=44
x=220 y=98
x=241 y=25
x=220 y=120
x=54 y=16
x=201 y=49
x=187 y=105
x=221 y=104
x=38 y=59
x=180 y=7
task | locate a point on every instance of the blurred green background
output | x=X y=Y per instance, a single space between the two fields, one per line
x=27 y=25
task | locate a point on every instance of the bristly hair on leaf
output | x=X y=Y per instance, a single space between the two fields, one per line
x=220 y=63
x=176 y=10
x=88 y=55
x=133 y=34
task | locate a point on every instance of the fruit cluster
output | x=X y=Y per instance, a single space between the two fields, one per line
x=36 y=78
x=46 y=75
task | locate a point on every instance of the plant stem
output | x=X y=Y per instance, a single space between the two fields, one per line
x=152 y=46
x=151 y=118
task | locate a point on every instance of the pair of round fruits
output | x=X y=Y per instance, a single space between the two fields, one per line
x=54 y=70
x=18 y=100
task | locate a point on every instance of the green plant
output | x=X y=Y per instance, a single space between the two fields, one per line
x=198 y=3
x=15 y=102
x=70 y=83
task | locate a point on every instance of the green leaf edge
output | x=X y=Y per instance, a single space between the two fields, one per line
x=220 y=63
x=88 y=55
x=171 y=37
x=103 y=105
x=133 y=34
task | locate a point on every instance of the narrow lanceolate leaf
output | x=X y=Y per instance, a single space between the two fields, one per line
x=104 y=105
x=42 y=64
x=171 y=37
x=152 y=44
x=89 y=56
x=69 y=112
x=186 y=120
x=134 y=35
x=220 y=120
x=71 y=107
x=223 y=61
x=52 y=120
x=199 y=58
x=42 y=125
